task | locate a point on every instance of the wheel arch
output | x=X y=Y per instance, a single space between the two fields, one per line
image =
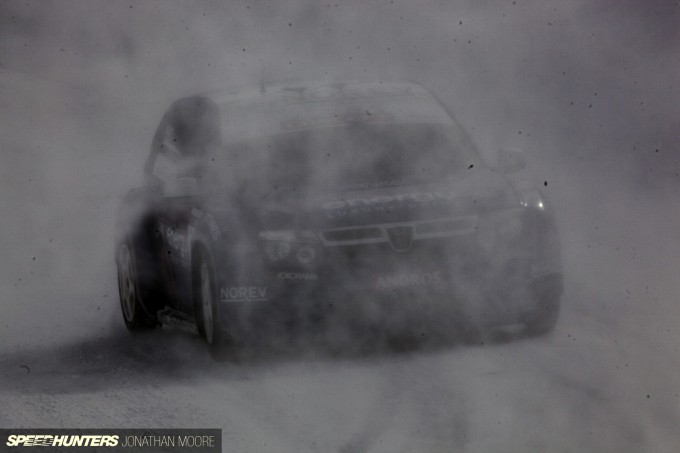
x=142 y=237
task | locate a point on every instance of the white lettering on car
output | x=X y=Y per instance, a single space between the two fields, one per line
x=297 y=276
x=408 y=280
x=243 y=293
x=418 y=197
x=177 y=240
x=212 y=225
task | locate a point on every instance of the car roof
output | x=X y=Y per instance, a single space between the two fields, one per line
x=303 y=92
x=283 y=107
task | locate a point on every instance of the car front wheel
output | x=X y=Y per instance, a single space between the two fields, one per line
x=136 y=319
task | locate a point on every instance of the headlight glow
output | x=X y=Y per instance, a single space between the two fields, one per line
x=532 y=199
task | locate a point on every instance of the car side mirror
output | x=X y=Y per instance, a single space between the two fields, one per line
x=511 y=160
x=184 y=186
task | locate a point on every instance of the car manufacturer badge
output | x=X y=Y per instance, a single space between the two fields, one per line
x=401 y=237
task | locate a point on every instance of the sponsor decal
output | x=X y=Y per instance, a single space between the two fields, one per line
x=376 y=202
x=401 y=237
x=277 y=250
x=408 y=280
x=363 y=116
x=376 y=184
x=243 y=293
x=305 y=254
x=209 y=220
x=212 y=226
x=297 y=276
x=177 y=240
x=340 y=93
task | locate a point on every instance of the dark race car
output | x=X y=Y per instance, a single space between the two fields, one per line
x=331 y=201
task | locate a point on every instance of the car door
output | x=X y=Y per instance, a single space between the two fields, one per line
x=177 y=164
x=165 y=169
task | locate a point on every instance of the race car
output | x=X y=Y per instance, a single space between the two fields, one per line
x=331 y=201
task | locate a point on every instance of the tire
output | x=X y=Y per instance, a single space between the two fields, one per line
x=135 y=317
x=207 y=314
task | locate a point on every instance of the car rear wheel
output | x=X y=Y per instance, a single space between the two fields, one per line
x=135 y=317
x=207 y=315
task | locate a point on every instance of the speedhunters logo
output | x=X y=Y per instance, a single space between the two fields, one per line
x=47 y=440
x=91 y=440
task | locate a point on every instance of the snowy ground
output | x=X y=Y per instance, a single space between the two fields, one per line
x=604 y=381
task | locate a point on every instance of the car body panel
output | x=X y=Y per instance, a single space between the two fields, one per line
x=469 y=237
